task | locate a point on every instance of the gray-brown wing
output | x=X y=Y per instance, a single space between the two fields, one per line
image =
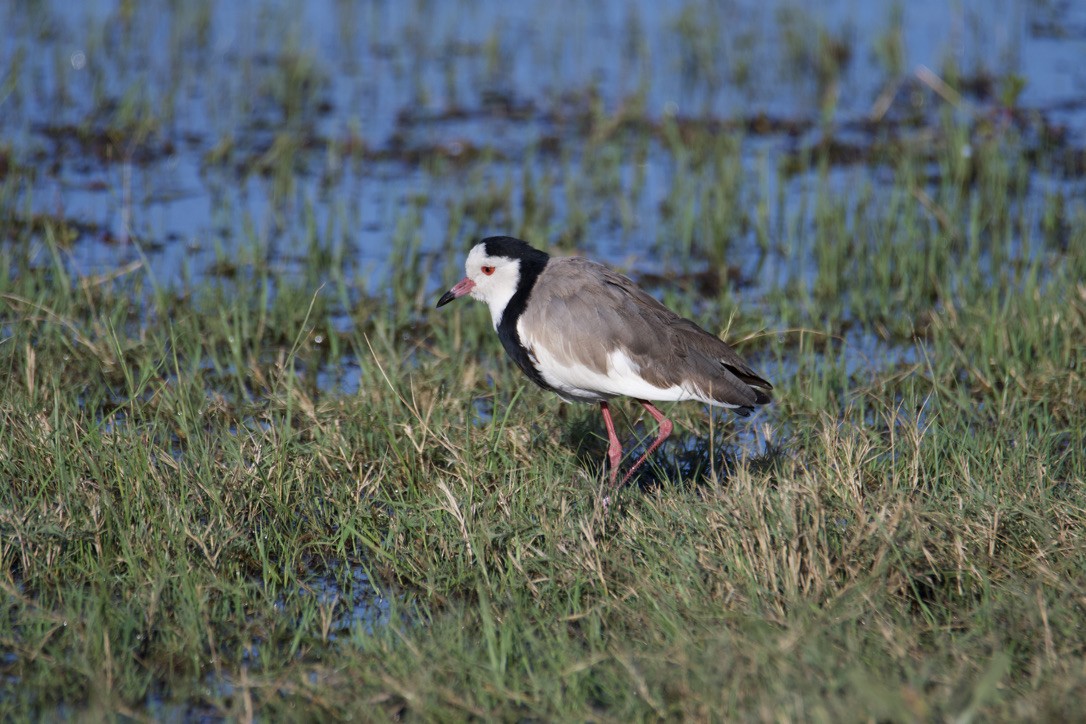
x=582 y=311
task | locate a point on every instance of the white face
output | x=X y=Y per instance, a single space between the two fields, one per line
x=495 y=278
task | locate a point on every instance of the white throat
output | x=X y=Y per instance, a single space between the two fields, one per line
x=498 y=299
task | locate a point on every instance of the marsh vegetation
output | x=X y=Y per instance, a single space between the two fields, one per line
x=248 y=471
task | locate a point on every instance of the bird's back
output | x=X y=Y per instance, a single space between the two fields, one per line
x=592 y=330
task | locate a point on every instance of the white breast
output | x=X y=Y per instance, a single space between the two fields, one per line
x=579 y=382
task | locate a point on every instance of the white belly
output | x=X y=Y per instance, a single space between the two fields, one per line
x=621 y=379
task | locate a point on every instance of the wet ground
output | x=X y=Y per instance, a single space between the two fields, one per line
x=209 y=138
x=358 y=149
x=372 y=142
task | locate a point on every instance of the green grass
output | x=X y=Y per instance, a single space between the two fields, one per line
x=194 y=523
x=180 y=489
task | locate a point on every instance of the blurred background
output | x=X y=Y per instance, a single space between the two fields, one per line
x=217 y=138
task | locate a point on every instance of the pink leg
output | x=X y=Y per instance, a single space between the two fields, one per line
x=665 y=430
x=614 y=448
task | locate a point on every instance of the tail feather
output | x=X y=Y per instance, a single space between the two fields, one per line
x=762 y=389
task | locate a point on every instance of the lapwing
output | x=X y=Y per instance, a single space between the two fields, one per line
x=589 y=334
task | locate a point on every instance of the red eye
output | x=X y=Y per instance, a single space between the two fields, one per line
x=488 y=270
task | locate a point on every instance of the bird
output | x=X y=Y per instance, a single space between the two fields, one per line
x=579 y=329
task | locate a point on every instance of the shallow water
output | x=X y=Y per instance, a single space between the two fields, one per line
x=153 y=128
